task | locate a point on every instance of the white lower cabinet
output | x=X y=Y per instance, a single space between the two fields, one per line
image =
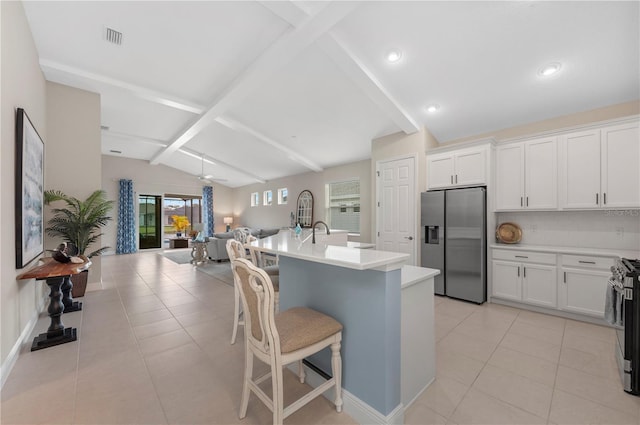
x=583 y=289
x=517 y=279
x=539 y=285
x=572 y=283
x=506 y=280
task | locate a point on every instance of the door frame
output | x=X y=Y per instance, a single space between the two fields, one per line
x=416 y=199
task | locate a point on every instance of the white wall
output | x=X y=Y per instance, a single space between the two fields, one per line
x=22 y=85
x=278 y=215
x=156 y=180
x=73 y=150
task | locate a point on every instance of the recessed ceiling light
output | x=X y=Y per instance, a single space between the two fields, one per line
x=433 y=108
x=549 y=69
x=394 y=56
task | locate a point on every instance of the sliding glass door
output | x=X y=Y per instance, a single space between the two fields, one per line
x=150 y=221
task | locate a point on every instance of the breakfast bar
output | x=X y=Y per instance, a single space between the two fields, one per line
x=361 y=288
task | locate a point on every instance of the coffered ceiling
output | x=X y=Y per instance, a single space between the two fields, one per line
x=266 y=89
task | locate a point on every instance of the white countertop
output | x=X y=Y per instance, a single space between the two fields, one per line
x=596 y=252
x=285 y=244
x=412 y=275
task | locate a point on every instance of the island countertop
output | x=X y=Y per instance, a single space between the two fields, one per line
x=286 y=244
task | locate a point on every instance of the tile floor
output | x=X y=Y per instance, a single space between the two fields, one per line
x=153 y=348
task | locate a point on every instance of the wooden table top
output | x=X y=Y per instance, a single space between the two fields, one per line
x=52 y=268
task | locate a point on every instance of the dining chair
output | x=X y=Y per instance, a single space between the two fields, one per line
x=279 y=339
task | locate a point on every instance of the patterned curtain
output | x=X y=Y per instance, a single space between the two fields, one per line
x=126 y=240
x=207 y=210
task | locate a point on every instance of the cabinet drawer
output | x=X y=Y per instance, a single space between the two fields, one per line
x=587 y=261
x=524 y=256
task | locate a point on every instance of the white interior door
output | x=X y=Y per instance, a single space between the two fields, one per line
x=396 y=217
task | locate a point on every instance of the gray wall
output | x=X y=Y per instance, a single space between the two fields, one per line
x=157 y=180
x=21 y=85
x=278 y=215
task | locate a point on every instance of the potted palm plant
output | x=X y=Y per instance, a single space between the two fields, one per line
x=79 y=222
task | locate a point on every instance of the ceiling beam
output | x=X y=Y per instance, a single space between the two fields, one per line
x=185 y=151
x=274 y=58
x=351 y=65
x=49 y=66
x=291 y=154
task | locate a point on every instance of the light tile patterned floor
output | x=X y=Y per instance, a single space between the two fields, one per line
x=154 y=348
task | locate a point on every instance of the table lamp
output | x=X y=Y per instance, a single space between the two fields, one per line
x=228 y=221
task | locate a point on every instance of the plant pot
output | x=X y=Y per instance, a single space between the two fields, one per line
x=79 y=282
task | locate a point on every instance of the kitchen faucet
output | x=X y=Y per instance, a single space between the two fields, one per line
x=313 y=230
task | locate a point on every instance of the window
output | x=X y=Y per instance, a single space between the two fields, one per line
x=267 y=197
x=283 y=196
x=255 y=199
x=343 y=205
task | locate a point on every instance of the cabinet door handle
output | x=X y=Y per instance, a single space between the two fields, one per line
x=604 y=196
x=524 y=272
x=527 y=201
x=456 y=179
x=586 y=262
x=521 y=256
x=452 y=179
x=565 y=278
x=597 y=199
x=521 y=201
x=518 y=271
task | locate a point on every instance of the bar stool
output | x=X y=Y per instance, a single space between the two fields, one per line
x=235 y=249
x=280 y=339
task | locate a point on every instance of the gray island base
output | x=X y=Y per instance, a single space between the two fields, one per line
x=363 y=289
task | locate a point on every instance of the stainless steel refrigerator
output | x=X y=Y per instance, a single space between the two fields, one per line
x=454 y=229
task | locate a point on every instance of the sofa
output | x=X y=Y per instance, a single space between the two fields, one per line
x=217 y=245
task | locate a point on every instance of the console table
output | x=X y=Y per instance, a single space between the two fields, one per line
x=58 y=278
x=178 y=243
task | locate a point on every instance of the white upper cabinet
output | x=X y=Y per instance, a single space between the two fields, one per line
x=526 y=175
x=599 y=168
x=464 y=167
x=440 y=171
x=510 y=177
x=620 y=166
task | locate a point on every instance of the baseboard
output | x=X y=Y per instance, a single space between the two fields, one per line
x=10 y=361
x=406 y=406
x=94 y=286
x=360 y=411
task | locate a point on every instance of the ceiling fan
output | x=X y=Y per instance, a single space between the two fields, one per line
x=207 y=178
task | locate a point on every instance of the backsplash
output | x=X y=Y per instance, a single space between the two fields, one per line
x=607 y=229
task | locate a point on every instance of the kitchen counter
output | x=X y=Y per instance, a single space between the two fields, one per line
x=362 y=289
x=286 y=244
x=596 y=252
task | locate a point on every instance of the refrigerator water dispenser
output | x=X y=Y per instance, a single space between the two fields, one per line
x=432 y=234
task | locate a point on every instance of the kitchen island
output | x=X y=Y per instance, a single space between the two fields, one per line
x=362 y=289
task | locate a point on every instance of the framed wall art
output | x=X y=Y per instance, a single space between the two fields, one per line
x=29 y=191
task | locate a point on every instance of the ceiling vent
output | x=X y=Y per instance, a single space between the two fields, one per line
x=113 y=36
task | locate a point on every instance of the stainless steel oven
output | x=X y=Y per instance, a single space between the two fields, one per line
x=626 y=287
